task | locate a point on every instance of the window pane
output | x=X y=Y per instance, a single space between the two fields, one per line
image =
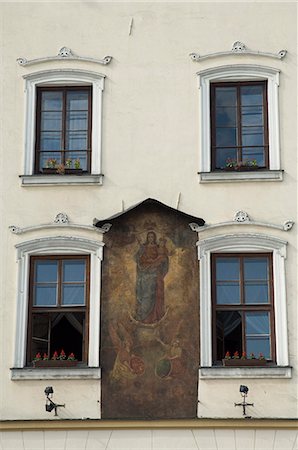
x=45 y=295
x=80 y=156
x=46 y=156
x=251 y=95
x=226 y=96
x=227 y=293
x=252 y=136
x=73 y=294
x=46 y=271
x=50 y=140
x=255 y=268
x=257 y=153
x=228 y=333
x=52 y=101
x=258 y=345
x=256 y=293
x=257 y=323
x=51 y=121
x=222 y=154
x=77 y=100
x=76 y=140
x=227 y=268
x=40 y=333
x=74 y=270
x=77 y=120
x=252 y=115
x=226 y=137
x=226 y=117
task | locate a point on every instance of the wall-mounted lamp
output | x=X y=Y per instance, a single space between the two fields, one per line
x=50 y=405
x=244 y=391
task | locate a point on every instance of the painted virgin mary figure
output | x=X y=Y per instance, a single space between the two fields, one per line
x=152 y=266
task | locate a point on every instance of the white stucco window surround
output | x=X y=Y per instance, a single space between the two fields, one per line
x=65 y=77
x=241 y=72
x=243 y=242
x=60 y=245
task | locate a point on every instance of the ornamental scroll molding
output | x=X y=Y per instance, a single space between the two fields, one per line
x=242 y=218
x=61 y=220
x=238 y=48
x=64 y=53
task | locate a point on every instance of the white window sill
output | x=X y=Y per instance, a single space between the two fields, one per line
x=50 y=180
x=206 y=373
x=231 y=177
x=77 y=373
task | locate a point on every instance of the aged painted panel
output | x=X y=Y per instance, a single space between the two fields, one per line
x=150 y=316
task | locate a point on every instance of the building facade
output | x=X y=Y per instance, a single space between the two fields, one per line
x=149 y=201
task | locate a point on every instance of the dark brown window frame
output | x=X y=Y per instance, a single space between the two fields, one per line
x=64 y=89
x=59 y=308
x=242 y=307
x=238 y=84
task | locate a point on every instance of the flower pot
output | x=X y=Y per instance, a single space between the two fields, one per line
x=49 y=170
x=73 y=171
x=244 y=362
x=61 y=363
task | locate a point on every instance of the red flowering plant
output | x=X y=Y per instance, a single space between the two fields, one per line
x=71 y=357
x=243 y=356
x=37 y=357
x=55 y=356
x=236 y=355
x=62 y=355
x=228 y=355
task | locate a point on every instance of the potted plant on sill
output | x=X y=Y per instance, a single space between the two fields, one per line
x=247 y=164
x=243 y=361
x=57 y=360
x=52 y=167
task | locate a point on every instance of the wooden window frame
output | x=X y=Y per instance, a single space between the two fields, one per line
x=59 y=308
x=242 y=307
x=64 y=89
x=239 y=147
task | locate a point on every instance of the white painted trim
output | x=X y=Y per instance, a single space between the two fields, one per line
x=71 y=373
x=243 y=242
x=55 y=246
x=232 y=177
x=239 y=72
x=67 y=180
x=63 y=77
x=213 y=373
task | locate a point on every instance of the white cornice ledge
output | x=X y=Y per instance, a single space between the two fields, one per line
x=83 y=373
x=60 y=221
x=234 y=177
x=67 y=180
x=207 y=373
x=242 y=218
x=65 y=54
x=238 y=48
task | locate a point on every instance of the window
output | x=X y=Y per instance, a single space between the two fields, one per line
x=242 y=303
x=239 y=121
x=58 y=306
x=55 y=276
x=248 y=256
x=63 y=131
x=63 y=123
x=239 y=130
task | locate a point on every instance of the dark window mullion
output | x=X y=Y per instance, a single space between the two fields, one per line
x=64 y=115
x=239 y=125
x=59 y=300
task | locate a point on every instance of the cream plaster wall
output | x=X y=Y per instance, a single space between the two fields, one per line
x=150 y=149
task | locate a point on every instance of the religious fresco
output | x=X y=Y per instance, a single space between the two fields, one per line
x=150 y=316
